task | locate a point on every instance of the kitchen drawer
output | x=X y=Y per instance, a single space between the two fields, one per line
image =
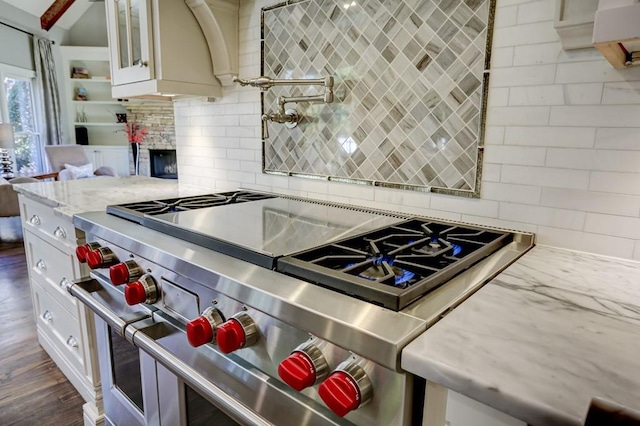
x=42 y=220
x=51 y=267
x=60 y=326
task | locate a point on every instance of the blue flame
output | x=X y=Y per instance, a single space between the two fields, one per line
x=456 y=249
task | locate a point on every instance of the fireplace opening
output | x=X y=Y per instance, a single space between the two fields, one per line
x=164 y=163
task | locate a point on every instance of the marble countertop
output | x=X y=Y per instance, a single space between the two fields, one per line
x=538 y=342
x=83 y=195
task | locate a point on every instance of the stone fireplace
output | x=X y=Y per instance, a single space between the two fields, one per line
x=157 y=118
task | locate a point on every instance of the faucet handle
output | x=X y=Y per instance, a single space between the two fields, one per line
x=265 y=126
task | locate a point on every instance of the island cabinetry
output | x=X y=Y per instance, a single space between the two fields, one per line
x=64 y=326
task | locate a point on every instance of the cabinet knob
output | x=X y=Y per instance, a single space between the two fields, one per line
x=59 y=233
x=47 y=316
x=72 y=342
x=41 y=265
x=64 y=283
x=144 y=64
x=35 y=220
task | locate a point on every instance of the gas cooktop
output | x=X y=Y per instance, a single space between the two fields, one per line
x=384 y=259
x=397 y=264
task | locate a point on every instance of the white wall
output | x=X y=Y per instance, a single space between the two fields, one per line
x=563 y=141
x=91 y=28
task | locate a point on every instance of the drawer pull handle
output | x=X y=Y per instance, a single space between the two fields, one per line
x=64 y=282
x=59 y=233
x=47 y=316
x=35 y=220
x=72 y=342
x=41 y=265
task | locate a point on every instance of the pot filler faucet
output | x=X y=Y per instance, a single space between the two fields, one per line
x=288 y=117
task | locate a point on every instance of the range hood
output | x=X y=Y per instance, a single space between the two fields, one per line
x=218 y=20
x=616 y=31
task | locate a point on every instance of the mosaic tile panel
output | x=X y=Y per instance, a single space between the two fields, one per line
x=410 y=86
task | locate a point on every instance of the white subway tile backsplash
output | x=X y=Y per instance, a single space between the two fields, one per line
x=583 y=241
x=594 y=72
x=536 y=95
x=618 y=138
x=598 y=116
x=539 y=32
x=537 y=54
x=623 y=93
x=545 y=216
x=494 y=135
x=537 y=11
x=521 y=194
x=534 y=75
x=619 y=226
x=499 y=97
x=506 y=16
x=636 y=251
x=545 y=177
x=491 y=172
x=571 y=137
x=501 y=57
x=471 y=206
x=583 y=94
x=591 y=201
x=617 y=183
x=520 y=155
x=602 y=160
x=499 y=223
x=518 y=116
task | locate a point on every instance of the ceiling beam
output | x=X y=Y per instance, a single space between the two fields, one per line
x=55 y=12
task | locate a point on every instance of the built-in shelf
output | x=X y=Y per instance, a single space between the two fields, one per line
x=88 y=123
x=97 y=114
x=96 y=102
x=91 y=80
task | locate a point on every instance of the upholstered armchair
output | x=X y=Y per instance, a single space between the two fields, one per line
x=71 y=162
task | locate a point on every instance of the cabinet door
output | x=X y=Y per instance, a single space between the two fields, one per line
x=130 y=40
x=114 y=157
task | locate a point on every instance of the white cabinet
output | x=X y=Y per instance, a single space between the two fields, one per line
x=116 y=157
x=88 y=99
x=64 y=326
x=157 y=48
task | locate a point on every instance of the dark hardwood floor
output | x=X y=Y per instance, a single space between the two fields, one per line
x=33 y=391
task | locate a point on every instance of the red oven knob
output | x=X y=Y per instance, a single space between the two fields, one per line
x=346 y=389
x=238 y=332
x=203 y=329
x=125 y=272
x=83 y=250
x=102 y=257
x=142 y=291
x=305 y=367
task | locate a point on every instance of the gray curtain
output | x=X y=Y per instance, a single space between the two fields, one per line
x=46 y=74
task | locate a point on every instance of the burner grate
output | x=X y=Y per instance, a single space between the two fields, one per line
x=394 y=265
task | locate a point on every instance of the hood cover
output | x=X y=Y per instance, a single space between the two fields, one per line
x=219 y=22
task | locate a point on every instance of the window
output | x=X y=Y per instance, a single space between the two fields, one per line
x=17 y=106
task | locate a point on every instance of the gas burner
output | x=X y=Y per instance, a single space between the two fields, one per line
x=137 y=211
x=382 y=270
x=379 y=266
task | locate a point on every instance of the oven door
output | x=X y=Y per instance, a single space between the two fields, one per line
x=128 y=378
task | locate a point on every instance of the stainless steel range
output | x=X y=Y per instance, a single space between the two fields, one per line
x=264 y=309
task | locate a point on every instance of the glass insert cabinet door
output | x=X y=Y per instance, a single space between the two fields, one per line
x=130 y=40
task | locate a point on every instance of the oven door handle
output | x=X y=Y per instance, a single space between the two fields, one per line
x=194 y=379
x=82 y=291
